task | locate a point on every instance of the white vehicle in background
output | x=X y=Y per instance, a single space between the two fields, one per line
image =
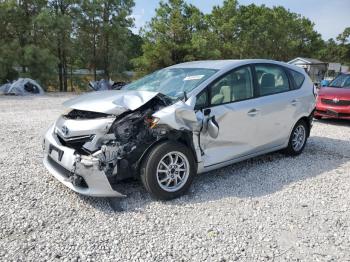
x=182 y=120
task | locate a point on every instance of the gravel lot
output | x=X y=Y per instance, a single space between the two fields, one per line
x=267 y=208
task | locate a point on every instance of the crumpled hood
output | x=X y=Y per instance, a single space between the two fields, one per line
x=110 y=102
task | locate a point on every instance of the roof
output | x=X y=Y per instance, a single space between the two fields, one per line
x=307 y=60
x=221 y=64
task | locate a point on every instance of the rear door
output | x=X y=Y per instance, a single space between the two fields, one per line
x=278 y=105
x=231 y=100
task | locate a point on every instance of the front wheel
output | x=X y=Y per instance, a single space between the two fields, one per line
x=168 y=170
x=298 y=138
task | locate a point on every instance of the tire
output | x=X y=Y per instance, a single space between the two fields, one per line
x=296 y=143
x=160 y=170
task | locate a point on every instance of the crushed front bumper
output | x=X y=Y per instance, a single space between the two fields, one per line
x=332 y=112
x=64 y=164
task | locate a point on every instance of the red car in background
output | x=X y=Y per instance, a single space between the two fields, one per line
x=333 y=100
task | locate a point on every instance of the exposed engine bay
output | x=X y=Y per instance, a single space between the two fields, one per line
x=115 y=143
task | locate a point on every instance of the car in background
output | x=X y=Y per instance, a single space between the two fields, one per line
x=333 y=100
x=179 y=121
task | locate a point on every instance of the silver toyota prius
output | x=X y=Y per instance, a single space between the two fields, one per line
x=179 y=121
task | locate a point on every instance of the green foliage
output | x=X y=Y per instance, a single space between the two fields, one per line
x=103 y=34
x=48 y=39
x=8 y=56
x=172 y=36
x=337 y=52
x=52 y=38
x=40 y=62
x=180 y=32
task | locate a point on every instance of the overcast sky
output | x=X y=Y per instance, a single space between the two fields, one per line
x=331 y=17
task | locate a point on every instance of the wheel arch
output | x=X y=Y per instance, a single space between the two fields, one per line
x=308 y=122
x=182 y=137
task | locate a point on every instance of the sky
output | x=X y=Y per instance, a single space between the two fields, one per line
x=331 y=17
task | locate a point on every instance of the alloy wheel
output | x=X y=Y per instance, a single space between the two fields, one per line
x=173 y=171
x=298 y=138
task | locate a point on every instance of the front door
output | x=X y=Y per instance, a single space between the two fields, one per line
x=230 y=99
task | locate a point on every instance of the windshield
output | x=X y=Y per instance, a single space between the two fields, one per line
x=341 y=81
x=172 y=82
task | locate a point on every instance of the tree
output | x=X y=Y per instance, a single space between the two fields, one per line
x=103 y=31
x=8 y=44
x=337 y=50
x=56 y=27
x=20 y=43
x=115 y=23
x=40 y=63
x=260 y=32
x=88 y=37
x=169 y=36
x=344 y=46
x=180 y=32
x=20 y=24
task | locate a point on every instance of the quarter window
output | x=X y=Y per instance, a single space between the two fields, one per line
x=271 y=79
x=234 y=86
x=202 y=100
x=298 y=78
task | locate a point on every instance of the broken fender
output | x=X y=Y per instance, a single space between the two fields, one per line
x=180 y=116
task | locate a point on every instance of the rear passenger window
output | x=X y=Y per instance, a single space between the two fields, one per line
x=298 y=78
x=271 y=79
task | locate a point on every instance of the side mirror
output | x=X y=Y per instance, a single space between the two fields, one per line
x=213 y=127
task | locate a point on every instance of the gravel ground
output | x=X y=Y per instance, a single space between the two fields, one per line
x=268 y=208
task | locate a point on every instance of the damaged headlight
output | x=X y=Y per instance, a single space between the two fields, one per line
x=152 y=121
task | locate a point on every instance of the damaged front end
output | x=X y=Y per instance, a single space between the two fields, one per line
x=102 y=139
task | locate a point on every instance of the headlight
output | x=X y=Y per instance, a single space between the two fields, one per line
x=152 y=121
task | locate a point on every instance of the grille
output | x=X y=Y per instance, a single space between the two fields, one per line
x=76 y=142
x=80 y=114
x=339 y=103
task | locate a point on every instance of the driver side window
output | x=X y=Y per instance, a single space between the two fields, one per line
x=237 y=85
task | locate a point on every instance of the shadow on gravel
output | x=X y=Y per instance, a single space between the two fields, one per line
x=252 y=178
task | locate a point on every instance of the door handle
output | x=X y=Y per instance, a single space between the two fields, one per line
x=253 y=112
x=294 y=102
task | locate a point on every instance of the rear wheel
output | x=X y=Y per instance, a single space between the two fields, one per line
x=298 y=138
x=168 y=170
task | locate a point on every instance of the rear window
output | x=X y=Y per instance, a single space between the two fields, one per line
x=298 y=78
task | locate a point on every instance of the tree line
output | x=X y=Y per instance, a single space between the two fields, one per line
x=49 y=39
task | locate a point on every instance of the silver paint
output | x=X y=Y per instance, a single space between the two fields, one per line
x=87 y=168
x=110 y=102
x=245 y=129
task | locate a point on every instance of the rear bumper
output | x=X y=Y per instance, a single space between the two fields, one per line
x=66 y=166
